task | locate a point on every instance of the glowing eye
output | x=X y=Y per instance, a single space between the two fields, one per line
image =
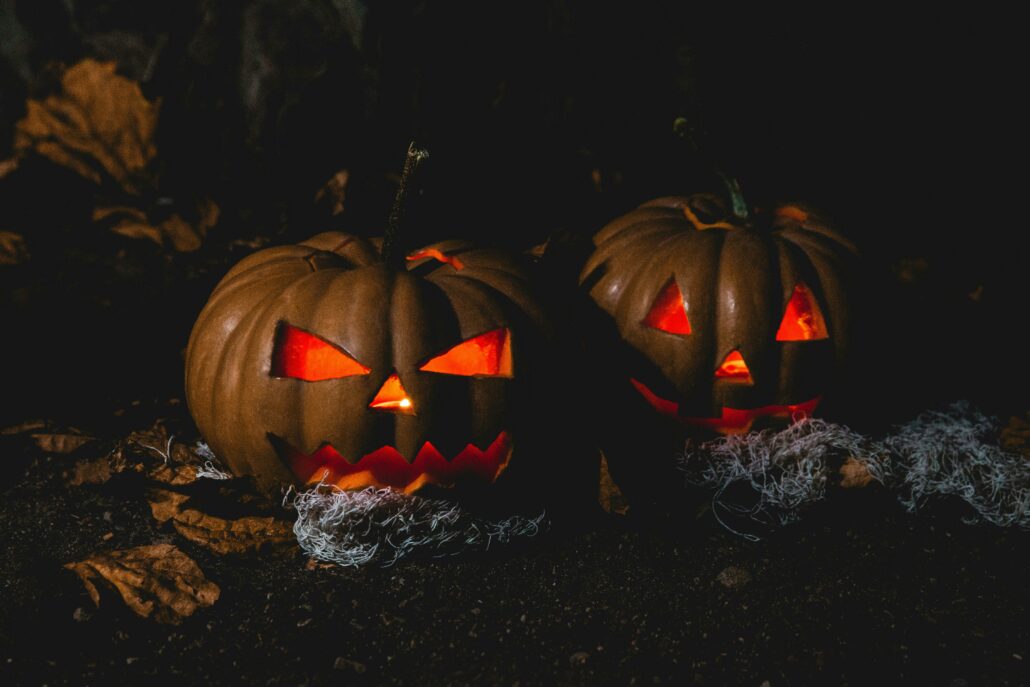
x=486 y=355
x=301 y=355
x=669 y=312
x=802 y=321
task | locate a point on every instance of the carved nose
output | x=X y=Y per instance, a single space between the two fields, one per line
x=734 y=370
x=392 y=397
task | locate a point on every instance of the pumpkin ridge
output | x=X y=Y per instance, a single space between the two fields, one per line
x=266 y=322
x=517 y=292
x=217 y=374
x=825 y=267
x=626 y=250
x=233 y=276
x=641 y=215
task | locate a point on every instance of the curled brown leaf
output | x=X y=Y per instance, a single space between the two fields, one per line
x=165 y=504
x=241 y=535
x=173 y=231
x=13 y=250
x=609 y=495
x=854 y=474
x=60 y=443
x=334 y=194
x=98 y=125
x=157 y=581
x=220 y=535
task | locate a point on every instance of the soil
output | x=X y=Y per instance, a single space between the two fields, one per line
x=858 y=592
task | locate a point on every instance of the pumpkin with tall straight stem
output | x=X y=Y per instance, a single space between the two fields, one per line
x=333 y=361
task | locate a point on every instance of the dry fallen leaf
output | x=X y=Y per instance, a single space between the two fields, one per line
x=1016 y=435
x=173 y=231
x=8 y=166
x=158 y=581
x=334 y=193
x=93 y=471
x=180 y=234
x=854 y=474
x=165 y=504
x=60 y=443
x=609 y=495
x=176 y=475
x=221 y=535
x=12 y=248
x=242 y=535
x=98 y=124
x=21 y=428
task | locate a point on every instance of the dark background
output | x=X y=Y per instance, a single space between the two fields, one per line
x=542 y=118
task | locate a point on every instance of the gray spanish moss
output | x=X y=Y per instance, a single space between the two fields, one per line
x=212 y=468
x=354 y=528
x=952 y=453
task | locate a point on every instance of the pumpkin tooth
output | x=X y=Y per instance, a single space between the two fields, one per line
x=386 y=467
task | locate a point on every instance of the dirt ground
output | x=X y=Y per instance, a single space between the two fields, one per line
x=858 y=592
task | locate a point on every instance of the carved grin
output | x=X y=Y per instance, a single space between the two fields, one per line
x=731 y=420
x=386 y=467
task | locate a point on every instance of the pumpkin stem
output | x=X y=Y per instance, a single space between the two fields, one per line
x=392 y=251
x=686 y=132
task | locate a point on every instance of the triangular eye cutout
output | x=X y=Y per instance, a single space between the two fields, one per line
x=392 y=397
x=803 y=320
x=486 y=355
x=301 y=355
x=734 y=369
x=669 y=313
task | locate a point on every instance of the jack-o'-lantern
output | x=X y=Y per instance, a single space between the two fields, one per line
x=343 y=361
x=722 y=319
x=318 y=362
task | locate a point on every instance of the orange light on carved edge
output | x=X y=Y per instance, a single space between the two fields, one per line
x=734 y=369
x=669 y=312
x=392 y=397
x=301 y=355
x=486 y=355
x=802 y=320
x=439 y=256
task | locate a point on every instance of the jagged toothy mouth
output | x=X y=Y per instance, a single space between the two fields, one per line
x=730 y=420
x=386 y=467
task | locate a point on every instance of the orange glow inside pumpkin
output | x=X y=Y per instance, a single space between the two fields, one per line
x=386 y=467
x=302 y=355
x=734 y=369
x=486 y=355
x=669 y=312
x=392 y=397
x=438 y=255
x=730 y=420
x=803 y=320
x=792 y=212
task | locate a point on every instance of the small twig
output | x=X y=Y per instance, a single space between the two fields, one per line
x=392 y=251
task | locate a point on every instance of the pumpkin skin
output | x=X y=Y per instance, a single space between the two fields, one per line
x=706 y=327
x=374 y=399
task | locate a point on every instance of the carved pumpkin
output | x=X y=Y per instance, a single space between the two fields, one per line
x=735 y=319
x=318 y=361
x=717 y=322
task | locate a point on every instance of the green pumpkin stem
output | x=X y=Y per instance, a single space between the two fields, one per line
x=393 y=252
x=682 y=128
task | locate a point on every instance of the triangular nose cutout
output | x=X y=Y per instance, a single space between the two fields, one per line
x=734 y=370
x=392 y=397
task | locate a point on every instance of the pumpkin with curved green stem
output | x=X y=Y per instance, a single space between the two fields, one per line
x=741 y=318
x=718 y=320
